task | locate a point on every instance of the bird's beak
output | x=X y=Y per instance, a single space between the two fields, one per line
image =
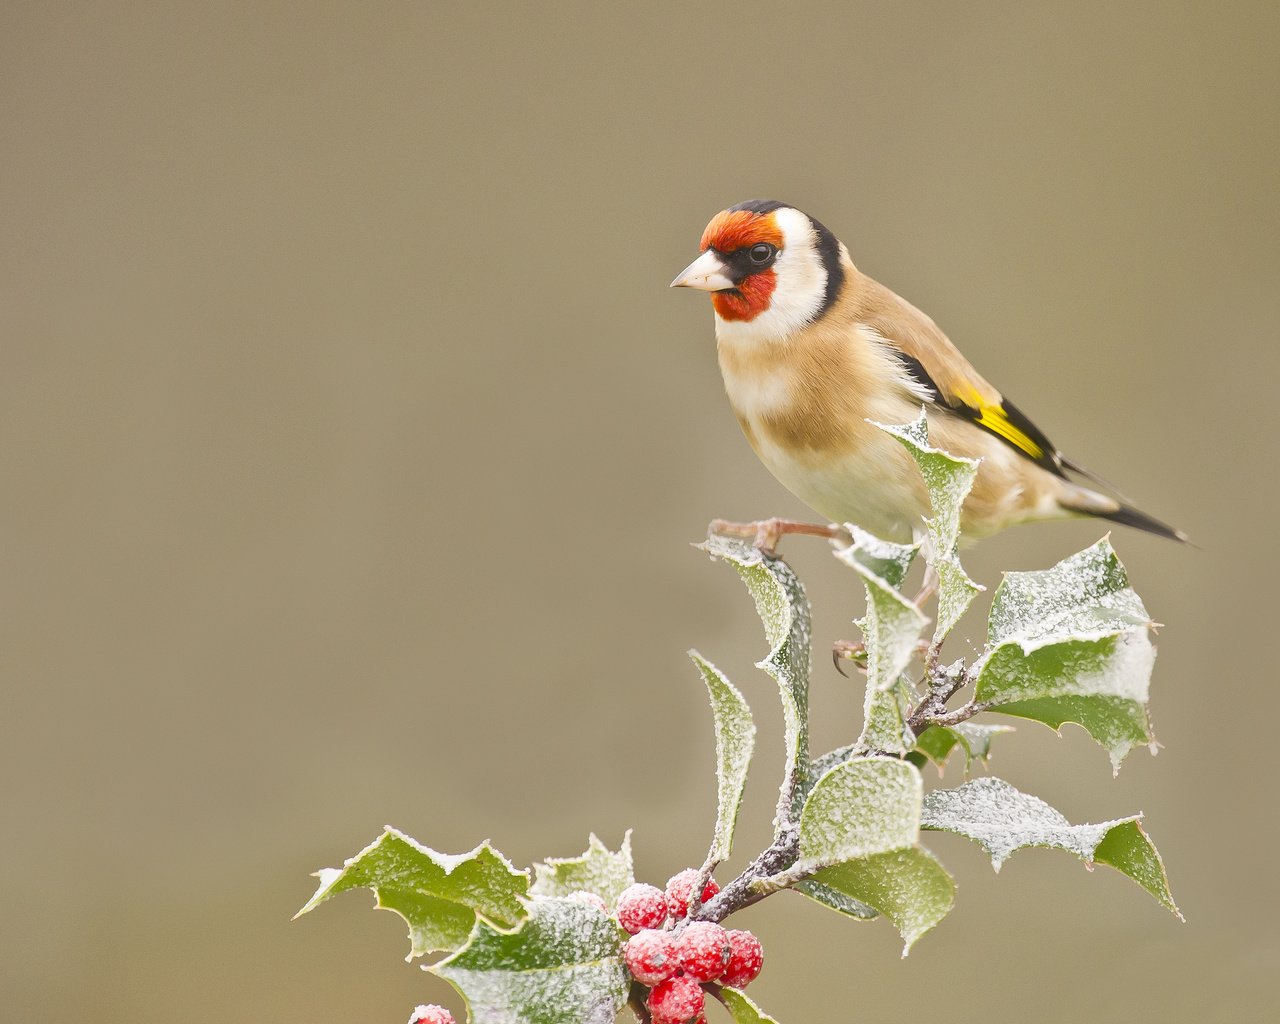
x=706 y=273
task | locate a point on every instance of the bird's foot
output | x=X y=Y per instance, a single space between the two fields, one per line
x=848 y=650
x=765 y=533
x=852 y=650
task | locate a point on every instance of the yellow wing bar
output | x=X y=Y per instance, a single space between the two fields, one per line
x=994 y=419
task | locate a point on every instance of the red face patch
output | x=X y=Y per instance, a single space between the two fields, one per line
x=748 y=300
x=729 y=231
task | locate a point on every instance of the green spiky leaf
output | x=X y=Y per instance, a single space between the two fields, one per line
x=860 y=826
x=891 y=629
x=1072 y=644
x=563 y=966
x=836 y=900
x=937 y=743
x=908 y=886
x=864 y=806
x=440 y=896
x=784 y=611
x=949 y=479
x=735 y=741
x=1002 y=820
x=1085 y=596
x=598 y=871
x=742 y=1009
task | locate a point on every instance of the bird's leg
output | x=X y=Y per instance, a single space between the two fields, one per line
x=765 y=533
x=928 y=587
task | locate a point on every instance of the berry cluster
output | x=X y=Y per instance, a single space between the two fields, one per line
x=674 y=957
x=431 y=1014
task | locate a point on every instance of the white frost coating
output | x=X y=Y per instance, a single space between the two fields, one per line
x=862 y=807
x=598 y=871
x=891 y=629
x=893 y=624
x=976 y=739
x=1074 y=640
x=735 y=742
x=784 y=612
x=949 y=478
x=1085 y=596
x=563 y=966
x=449 y=861
x=1111 y=667
x=439 y=896
x=1001 y=819
x=743 y=1010
x=908 y=886
x=886 y=559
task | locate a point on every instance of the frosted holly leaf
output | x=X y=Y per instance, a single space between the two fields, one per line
x=938 y=742
x=1085 y=596
x=1002 y=820
x=1100 y=685
x=735 y=740
x=949 y=479
x=563 y=966
x=860 y=826
x=440 y=896
x=891 y=629
x=831 y=758
x=741 y=1008
x=887 y=561
x=784 y=611
x=956 y=591
x=598 y=870
x=1072 y=644
x=836 y=900
x=976 y=738
x=884 y=719
x=865 y=806
x=908 y=886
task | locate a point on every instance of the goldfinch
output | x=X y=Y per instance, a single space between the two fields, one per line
x=811 y=350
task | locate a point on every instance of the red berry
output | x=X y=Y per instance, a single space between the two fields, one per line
x=746 y=958
x=677 y=1000
x=651 y=956
x=642 y=906
x=431 y=1014
x=680 y=888
x=703 y=949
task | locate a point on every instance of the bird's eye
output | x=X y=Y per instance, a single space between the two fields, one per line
x=762 y=253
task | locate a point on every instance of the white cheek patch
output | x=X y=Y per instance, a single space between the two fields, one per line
x=800 y=289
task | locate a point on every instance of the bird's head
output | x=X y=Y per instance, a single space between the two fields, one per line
x=770 y=269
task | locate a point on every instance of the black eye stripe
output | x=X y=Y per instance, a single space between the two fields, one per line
x=741 y=263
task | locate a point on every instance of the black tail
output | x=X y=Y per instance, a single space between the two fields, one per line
x=1088 y=502
x=1127 y=515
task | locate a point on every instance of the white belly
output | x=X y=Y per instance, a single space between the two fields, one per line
x=875 y=485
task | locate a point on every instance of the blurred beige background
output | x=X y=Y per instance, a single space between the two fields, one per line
x=352 y=445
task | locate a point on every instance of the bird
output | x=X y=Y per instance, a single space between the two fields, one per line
x=814 y=354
